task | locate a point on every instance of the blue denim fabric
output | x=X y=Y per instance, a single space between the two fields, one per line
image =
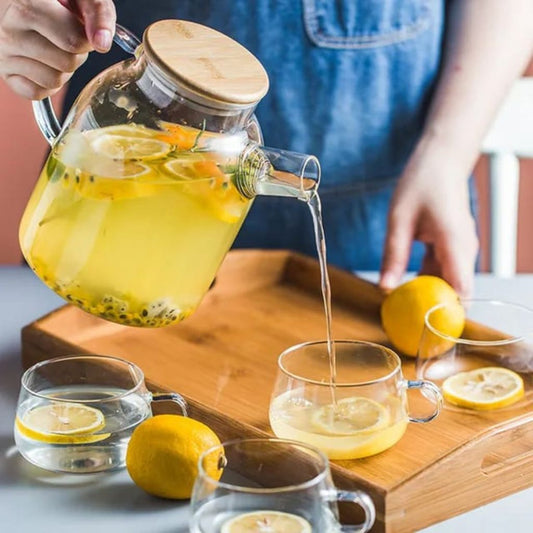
x=350 y=83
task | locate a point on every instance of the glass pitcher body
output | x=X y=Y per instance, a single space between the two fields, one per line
x=144 y=191
x=133 y=211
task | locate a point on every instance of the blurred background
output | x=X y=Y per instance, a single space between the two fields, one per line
x=23 y=151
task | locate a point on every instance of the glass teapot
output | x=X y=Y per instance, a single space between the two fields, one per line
x=152 y=174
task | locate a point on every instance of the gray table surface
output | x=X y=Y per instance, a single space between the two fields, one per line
x=35 y=500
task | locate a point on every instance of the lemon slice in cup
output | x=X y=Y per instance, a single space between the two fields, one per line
x=351 y=415
x=63 y=423
x=267 y=521
x=484 y=388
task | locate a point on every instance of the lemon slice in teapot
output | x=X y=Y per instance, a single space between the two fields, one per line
x=128 y=142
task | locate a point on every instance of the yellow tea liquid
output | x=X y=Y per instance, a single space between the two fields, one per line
x=131 y=224
x=350 y=428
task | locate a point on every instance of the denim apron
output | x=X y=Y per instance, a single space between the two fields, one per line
x=350 y=83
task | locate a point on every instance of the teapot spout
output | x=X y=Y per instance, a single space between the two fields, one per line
x=272 y=172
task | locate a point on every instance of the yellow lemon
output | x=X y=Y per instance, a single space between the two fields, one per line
x=163 y=453
x=350 y=416
x=484 y=388
x=404 y=309
x=267 y=521
x=62 y=423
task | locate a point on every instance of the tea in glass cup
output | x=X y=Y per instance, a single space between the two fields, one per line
x=270 y=485
x=76 y=414
x=363 y=413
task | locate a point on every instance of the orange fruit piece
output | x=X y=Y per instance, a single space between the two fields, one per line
x=183 y=137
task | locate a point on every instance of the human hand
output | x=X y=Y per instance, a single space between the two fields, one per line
x=431 y=204
x=42 y=42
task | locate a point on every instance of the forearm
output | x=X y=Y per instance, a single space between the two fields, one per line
x=488 y=45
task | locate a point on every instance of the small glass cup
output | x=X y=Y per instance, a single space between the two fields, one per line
x=496 y=334
x=365 y=413
x=269 y=484
x=76 y=414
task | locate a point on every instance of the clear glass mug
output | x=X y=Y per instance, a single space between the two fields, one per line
x=496 y=335
x=271 y=484
x=76 y=414
x=365 y=413
x=149 y=180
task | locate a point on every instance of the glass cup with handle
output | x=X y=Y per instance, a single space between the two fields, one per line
x=76 y=413
x=488 y=364
x=272 y=486
x=362 y=412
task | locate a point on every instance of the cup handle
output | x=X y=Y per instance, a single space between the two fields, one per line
x=433 y=390
x=171 y=397
x=359 y=498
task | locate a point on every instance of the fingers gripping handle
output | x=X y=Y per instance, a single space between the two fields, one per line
x=44 y=112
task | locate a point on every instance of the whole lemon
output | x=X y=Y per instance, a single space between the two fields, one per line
x=404 y=309
x=163 y=452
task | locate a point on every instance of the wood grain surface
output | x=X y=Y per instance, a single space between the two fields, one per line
x=223 y=360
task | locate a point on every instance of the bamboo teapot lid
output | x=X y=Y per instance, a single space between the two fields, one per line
x=206 y=63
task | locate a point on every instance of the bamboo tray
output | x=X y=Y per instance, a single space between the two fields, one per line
x=223 y=360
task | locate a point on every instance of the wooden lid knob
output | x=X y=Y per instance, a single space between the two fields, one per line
x=206 y=62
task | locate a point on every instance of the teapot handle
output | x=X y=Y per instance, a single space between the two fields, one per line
x=44 y=112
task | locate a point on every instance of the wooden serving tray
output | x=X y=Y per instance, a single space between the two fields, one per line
x=223 y=360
